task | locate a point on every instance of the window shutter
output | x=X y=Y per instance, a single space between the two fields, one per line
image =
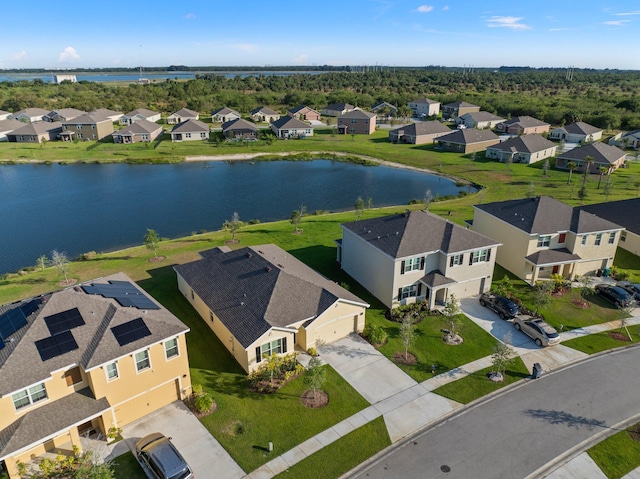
x=402 y=267
x=419 y=289
x=399 y=294
x=451 y=262
x=422 y=263
x=284 y=345
x=488 y=254
x=470 y=259
x=258 y=355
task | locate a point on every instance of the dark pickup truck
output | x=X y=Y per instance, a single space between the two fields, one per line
x=503 y=306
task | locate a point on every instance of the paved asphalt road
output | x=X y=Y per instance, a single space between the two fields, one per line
x=519 y=432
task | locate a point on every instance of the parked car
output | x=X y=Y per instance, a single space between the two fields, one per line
x=537 y=329
x=160 y=458
x=615 y=294
x=632 y=288
x=500 y=304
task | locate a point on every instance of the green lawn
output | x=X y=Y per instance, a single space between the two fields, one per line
x=126 y=467
x=342 y=455
x=596 y=343
x=477 y=384
x=617 y=455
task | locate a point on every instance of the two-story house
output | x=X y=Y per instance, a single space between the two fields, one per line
x=416 y=256
x=422 y=107
x=77 y=362
x=523 y=125
x=458 y=108
x=260 y=300
x=86 y=127
x=357 y=122
x=543 y=236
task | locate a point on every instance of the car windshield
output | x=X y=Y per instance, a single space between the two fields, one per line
x=182 y=474
x=549 y=330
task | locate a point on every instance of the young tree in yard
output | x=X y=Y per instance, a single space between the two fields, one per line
x=407 y=333
x=369 y=203
x=541 y=295
x=586 y=286
x=42 y=262
x=61 y=262
x=233 y=225
x=625 y=316
x=273 y=363
x=503 y=354
x=296 y=217
x=608 y=188
x=315 y=375
x=151 y=241
x=545 y=167
x=603 y=170
x=531 y=191
x=572 y=165
x=359 y=207
x=451 y=314
x=428 y=198
x=504 y=287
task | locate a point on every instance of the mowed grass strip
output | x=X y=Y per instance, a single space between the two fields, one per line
x=126 y=466
x=617 y=455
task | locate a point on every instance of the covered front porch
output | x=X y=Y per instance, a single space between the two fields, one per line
x=437 y=286
x=545 y=263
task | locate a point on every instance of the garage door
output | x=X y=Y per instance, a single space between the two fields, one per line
x=147 y=403
x=337 y=329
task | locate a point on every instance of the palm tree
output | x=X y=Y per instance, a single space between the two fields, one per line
x=572 y=165
x=603 y=171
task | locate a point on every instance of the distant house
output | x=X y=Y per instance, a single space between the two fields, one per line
x=36 y=132
x=112 y=115
x=522 y=149
x=86 y=127
x=458 y=108
x=289 y=127
x=522 y=125
x=623 y=213
x=603 y=155
x=260 y=300
x=182 y=115
x=479 y=120
x=424 y=107
x=469 y=140
x=337 y=109
x=239 y=129
x=416 y=256
x=576 y=133
x=4 y=115
x=224 y=115
x=63 y=114
x=29 y=115
x=190 y=130
x=543 y=236
x=139 y=114
x=7 y=126
x=264 y=114
x=140 y=131
x=419 y=133
x=303 y=112
x=626 y=139
x=357 y=122
x=383 y=106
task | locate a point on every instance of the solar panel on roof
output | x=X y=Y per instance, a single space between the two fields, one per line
x=142 y=302
x=123 y=292
x=130 y=331
x=56 y=345
x=11 y=321
x=64 y=321
x=30 y=307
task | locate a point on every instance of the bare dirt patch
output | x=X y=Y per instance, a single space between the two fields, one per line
x=321 y=399
x=408 y=360
x=619 y=336
x=581 y=303
x=634 y=432
x=67 y=282
x=157 y=259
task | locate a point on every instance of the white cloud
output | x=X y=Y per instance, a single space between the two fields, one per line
x=512 y=23
x=69 y=54
x=616 y=23
x=302 y=58
x=424 y=9
x=245 y=47
x=624 y=14
x=190 y=16
x=19 y=55
x=445 y=8
x=558 y=29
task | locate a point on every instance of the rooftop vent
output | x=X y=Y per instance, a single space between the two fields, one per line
x=280 y=266
x=267 y=269
x=249 y=255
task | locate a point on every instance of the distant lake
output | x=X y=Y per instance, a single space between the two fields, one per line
x=81 y=208
x=152 y=76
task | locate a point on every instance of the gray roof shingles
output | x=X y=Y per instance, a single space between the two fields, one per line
x=622 y=212
x=288 y=122
x=190 y=126
x=423 y=128
x=469 y=136
x=526 y=144
x=600 y=152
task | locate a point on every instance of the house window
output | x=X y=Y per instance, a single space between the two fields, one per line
x=73 y=376
x=544 y=241
x=111 y=370
x=612 y=237
x=409 y=291
x=187 y=135
x=171 y=348
x=584 y=240
x=456 y=260
x=273 y=347
x=598 y=239
x=79 y=127
x=29 y=396
x=203 y=134
x=412 y=264
x=145 y=137
x=193 y=296
x=480 y=256
x=562 y=238
x=80 y=135
x=623 y=236
x=210 y=316
x=142 y=360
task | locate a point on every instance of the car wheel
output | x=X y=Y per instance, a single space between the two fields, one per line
x=501 y=314
x=483 y=302
x=538 y=342
x=517 y=326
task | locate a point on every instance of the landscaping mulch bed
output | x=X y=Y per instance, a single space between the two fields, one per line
x=581 y=303
x=190 y=403
x=618 y=335
x=409 y=360
x=634 y=432
x=157 y=259
x=67 y=282
x=321 y=399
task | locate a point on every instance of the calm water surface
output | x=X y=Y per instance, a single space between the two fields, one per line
x=81 y=208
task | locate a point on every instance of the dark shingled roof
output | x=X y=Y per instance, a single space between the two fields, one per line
x=436 y=279
x=552 y=256
x=459 y=104
x=224 y=111
x=546 y=215
x=239 y=124
x=469 y=136
x=581 y=128
x=417 y=232
x=358 y=114
x=50 y=419
x=479 y=116
x=424 y=100
x=600 y=152
x=190 y=126
x=423 y=128
x=622 y=212
x=256 y=288
x=288 y=122
x=525 y=144
x=263 y=110
x=185 y=112
x=139 y=127
x=525 y=122
x=339 y=106
x=37 y=128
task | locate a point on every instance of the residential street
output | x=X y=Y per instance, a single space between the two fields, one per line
x=521 y=431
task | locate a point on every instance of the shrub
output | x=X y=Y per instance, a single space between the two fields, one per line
x=254 y=222
x=375 y=334
x=346 y=286
x=203 y=403
x=197 y=389
x=312 y=351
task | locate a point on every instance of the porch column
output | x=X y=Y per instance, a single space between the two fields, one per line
x=534 y=277
x=12 y=467
x=75 y=438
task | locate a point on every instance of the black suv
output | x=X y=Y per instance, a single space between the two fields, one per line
x=615 y=294
x=159 y=456
x=500 y=304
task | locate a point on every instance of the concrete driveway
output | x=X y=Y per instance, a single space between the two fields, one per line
x=203 y=453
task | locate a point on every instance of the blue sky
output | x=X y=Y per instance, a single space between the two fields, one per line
x=483 y=33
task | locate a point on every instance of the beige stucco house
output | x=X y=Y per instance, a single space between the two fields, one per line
x=264 y=114
x=140 y=131
x=190 y=130
x=416 y=256
x=458 y=108
x=625 y=214
x=86 y=128
x=303 y=112
x=522 y=149
x=603 y=155
x=337 y=109
x=36 y=132
x=523 y=125
x=182 y=115
x=77 y=362
x=543 y=236
x=357 y=122
x=576 y=133
x=467 y=141
x=419 y=133
x=260 y=300
x=479 y=119
x=290 y=127
x=424 y=107
x=139 y=114
x=224 y=115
